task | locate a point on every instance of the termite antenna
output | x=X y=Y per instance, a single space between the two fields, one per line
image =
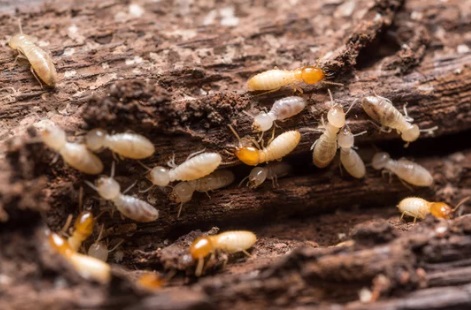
x=112 y=169
x=360 y=133
x=430 y=131
x=461 y=202
x=130 y=187
x=351 y=105
x=117 y=245
x=19 y=26
x=248 y=114
x=66 y=225
x=235 y=133
x=91 y=185
x=331 y=97
x=243 y=180
x=81 y=198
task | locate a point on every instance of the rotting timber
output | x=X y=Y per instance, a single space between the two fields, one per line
x=182 y=89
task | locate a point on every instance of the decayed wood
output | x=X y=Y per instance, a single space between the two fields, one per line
x=183 y=83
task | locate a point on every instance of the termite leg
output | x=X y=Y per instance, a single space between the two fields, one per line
x=246 y=253
x=130 y=187
x=314 y=144
x=199 y=267
x=66 y=225
x=406 y=115
x=195 y=153
x=180 y=210
x=36 y=77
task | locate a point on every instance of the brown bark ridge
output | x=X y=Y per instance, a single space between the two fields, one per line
x=175 y=71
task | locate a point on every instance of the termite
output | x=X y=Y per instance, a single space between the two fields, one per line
x=83 y=228
x=282 y=109
x=382 y=111
x=129 y=145
x=349 y=158
x=275 y=79
x=325 y=147
x=195 y=167
x=74 y=154
x=86 y=266
x=99 y=249
x=131 y=207
x=281 y=146
x=272 y=172
x=183 y=191
x=42 y=66
x=419 y=208
x=406 y=170
x=229 y=242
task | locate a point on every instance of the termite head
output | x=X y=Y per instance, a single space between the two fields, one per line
x=182 y=192
x=159 y=176
x=107 y=187
x=380 y=160
x=58 y=243
x=441 y=210
x=336 y=116
x=345 y=138
x=262 y=122
x=96 y=139
x=411 y=134
x=249 y=155
x=84 y=223
x=310 y=74
x=54 y=137
x=257 y=176
x=201 y=247
x=18 y=39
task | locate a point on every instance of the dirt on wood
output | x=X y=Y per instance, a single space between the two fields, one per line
x=175 y=72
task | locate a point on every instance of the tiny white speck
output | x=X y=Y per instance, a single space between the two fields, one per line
x=228 y=17
x=69 y=51
x=70 y=73
x=136 y=10
x=73 y=29
x=462 y=49
x=135 y=60
x=209 y=18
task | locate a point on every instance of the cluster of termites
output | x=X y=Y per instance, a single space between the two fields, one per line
x=198 y=173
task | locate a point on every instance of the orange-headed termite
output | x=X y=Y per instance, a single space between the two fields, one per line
x=406 y=170
x=83 y=228
x=42 y=66
x=74 y=154
x=272 y=172
x=383 y=111
x=229 y=242
x=86 y=266
x=349 y=158
x=193 y=168
x=419 y=208
x=282 y=109
x=131 y=207
x=129 y=145
x=281 y=146
x=275 y=79
x=325 y=147
x=183 y=191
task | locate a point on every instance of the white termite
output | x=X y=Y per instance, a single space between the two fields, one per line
x=129 y=145
x=183 y=191
x=42 y=66
x=281 y=110
x=193 y=168
x=325 y=147
x=383 y=111
x=281 y=146
x=131 y=207
x=99 y=248
x=406 y=170
x=419 y=208
x=271 y=171
x=349 y=158
x=229 y=242
x=74 y=154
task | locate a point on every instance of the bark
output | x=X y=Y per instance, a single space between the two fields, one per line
x=176 y=73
